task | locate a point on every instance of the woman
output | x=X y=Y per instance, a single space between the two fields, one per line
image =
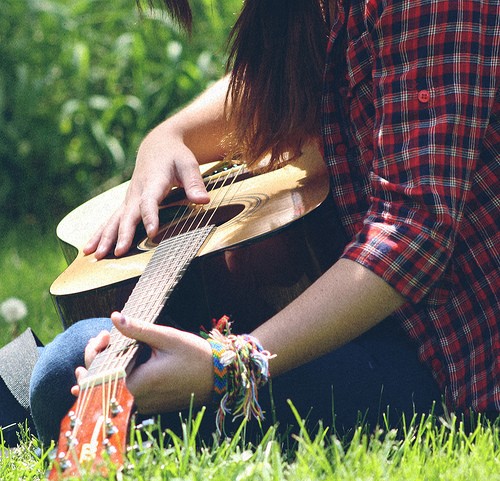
x=407 y=108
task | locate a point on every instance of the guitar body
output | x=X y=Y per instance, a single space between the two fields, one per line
x=275 y=235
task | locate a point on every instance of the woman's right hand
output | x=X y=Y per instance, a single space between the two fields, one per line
x=169 y=156
x=161 y=164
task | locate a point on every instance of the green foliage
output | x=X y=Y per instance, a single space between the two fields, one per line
x=81 y=82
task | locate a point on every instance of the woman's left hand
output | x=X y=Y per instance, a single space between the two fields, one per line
x=180 y=365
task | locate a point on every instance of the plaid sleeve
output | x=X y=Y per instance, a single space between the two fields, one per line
x=435 y=75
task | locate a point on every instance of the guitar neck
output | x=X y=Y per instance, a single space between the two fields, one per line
x=168 y=264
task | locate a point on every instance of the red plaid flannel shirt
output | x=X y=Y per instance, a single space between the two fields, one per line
x=411 y=126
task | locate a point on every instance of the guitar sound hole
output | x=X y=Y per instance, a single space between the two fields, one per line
x=173 y=223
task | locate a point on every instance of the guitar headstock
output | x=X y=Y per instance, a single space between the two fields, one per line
x=94 y=433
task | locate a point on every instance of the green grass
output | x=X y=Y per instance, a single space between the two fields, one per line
x=30 y=259
x=424 y=450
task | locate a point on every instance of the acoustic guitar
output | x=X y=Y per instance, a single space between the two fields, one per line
x=263 y=238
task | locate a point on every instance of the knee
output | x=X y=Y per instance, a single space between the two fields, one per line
x=54 y=374
x=59 y=358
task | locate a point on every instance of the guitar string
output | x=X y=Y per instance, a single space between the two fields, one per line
x=87 y=393
x=80 y=407
x=188 y=225
x=200 y=218
x=178 y=228
x=121 y=344
x=111 y=390
x=108 y=390
x=225 y=193
x=201 y=215
x=104 y=386
x=228 y=176
x=184 y=209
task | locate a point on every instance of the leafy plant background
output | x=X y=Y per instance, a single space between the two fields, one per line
x=81 y=83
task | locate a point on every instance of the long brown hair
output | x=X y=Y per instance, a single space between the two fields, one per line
x=276 y=60
x=178 y=9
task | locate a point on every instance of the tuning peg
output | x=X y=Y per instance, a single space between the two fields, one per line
x=108 y=447
x=64 y=463
x=71 y=440
x=115 y=407
x=110 y=428
x=72 y=419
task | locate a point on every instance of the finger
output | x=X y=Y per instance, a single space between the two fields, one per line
x=149 y=212
x=155 y=336
x=93 y=242
x=126 y=228
x=104 y=239
x=95 y=346
x=190 y=178
x=80 y=373
x=108 y=239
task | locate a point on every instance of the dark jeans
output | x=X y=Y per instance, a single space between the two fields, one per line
x=376 y=378
x=357 y=381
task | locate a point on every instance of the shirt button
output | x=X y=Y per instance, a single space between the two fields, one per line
x=423 y=96
x=341 y=149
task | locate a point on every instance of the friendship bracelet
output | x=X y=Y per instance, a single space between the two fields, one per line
x=220 y=370
x=241 y=367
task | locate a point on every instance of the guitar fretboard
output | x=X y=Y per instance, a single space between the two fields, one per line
x=163 y=272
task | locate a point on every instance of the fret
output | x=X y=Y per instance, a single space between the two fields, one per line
x=163 y=272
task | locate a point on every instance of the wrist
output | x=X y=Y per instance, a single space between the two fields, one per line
x=241 y=367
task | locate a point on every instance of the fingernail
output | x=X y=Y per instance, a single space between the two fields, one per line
x=119 y=249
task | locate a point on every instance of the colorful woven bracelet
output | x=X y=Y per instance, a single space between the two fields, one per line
x=220 y=370
x=241 y=367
